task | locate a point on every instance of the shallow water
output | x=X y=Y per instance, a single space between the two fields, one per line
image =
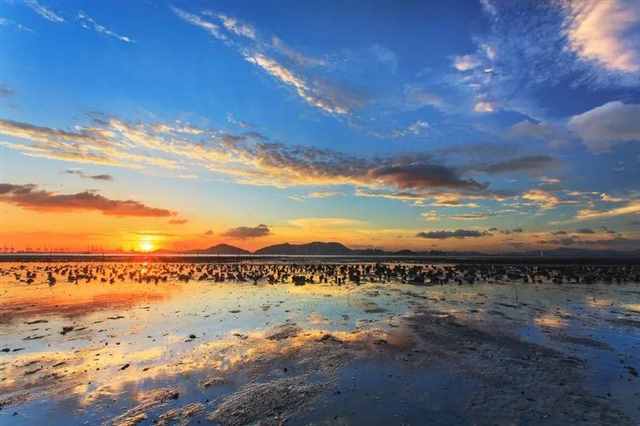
x=90 y=353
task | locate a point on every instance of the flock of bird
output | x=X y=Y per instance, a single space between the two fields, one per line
x=309 y=273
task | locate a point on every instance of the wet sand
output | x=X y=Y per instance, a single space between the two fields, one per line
x=233 y=353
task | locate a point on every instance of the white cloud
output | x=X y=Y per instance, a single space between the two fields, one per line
x=466 y=62
x=608 y=124
x=555 y=135
x=418 y=128
x=545 y=199
x=304 y=89
x=210 y=27
x=293 y=55
x=234 y=25
x=430 y=216
x=632 y=207
x=484 y=106
x=89 y=23
x=46 y=13
x=602 y=31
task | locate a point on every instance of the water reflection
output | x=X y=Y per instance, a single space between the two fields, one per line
x=103 y=351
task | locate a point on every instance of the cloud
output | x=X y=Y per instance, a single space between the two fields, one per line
x=46 y=13
x=585 y=231
x=101 y=177
x=243 y=232
x=430 y=216
x=611 y=199
x=632 y=207
x=469 y=216
x=243 y=38
x=30 y=197
x=545 y=199
x=605 y=32
x=385 y=56
x=296 y=57
x=331 y=101
x=89 y=23
x=529 y=163
x=531 y=45
x=555 y=135
x=177 y=221
x=192 y=19
x=209 y=232
x=466 y=62
x=245 y=158
x=234 y=25
x=458 y=233
x=602 y=127
x=416 y=97
x=423 y=175
x=484 y=106
x=417 y=128
x=9 y=23
x=86 y=145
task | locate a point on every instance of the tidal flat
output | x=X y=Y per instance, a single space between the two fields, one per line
x=149 y=343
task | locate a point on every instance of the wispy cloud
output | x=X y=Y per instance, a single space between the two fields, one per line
x=89 y=23
x=234 y=25
x=605 y=32
x=193 y=19
x=246 y=158
x=100 y=177
x=633 y=207
x=534 y=44
x=43 y=11
x=320 y=93
x=312 y=95
x=31 y=197
x=5 y=22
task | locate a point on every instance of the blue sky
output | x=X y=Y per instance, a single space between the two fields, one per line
x=377 y=124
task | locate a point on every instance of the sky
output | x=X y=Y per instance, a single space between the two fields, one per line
x=482 y=125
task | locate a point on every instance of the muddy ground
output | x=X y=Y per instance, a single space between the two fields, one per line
x=236 y=354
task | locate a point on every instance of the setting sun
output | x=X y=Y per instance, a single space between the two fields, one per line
x=146 y=246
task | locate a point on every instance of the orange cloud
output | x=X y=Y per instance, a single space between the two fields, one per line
x=30 y=197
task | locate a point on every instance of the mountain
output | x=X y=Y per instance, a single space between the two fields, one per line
x=221 y=249
x=315 y=248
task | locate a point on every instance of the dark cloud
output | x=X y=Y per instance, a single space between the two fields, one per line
x=30 y=197
x=102 y=177
x=209 y=232
x=585 y=231
x=458 y=233
x=530 y=163
x=423 y=176
x=177 y=221
x=248 y=232
x=509 y=231
x=559 y=232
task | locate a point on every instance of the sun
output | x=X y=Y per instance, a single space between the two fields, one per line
x=146 y=246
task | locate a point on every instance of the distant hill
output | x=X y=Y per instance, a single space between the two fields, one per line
x=221 y=249
x=315 y=248
x=318 y=248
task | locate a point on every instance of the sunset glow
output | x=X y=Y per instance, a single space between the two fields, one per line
x=493 y=127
